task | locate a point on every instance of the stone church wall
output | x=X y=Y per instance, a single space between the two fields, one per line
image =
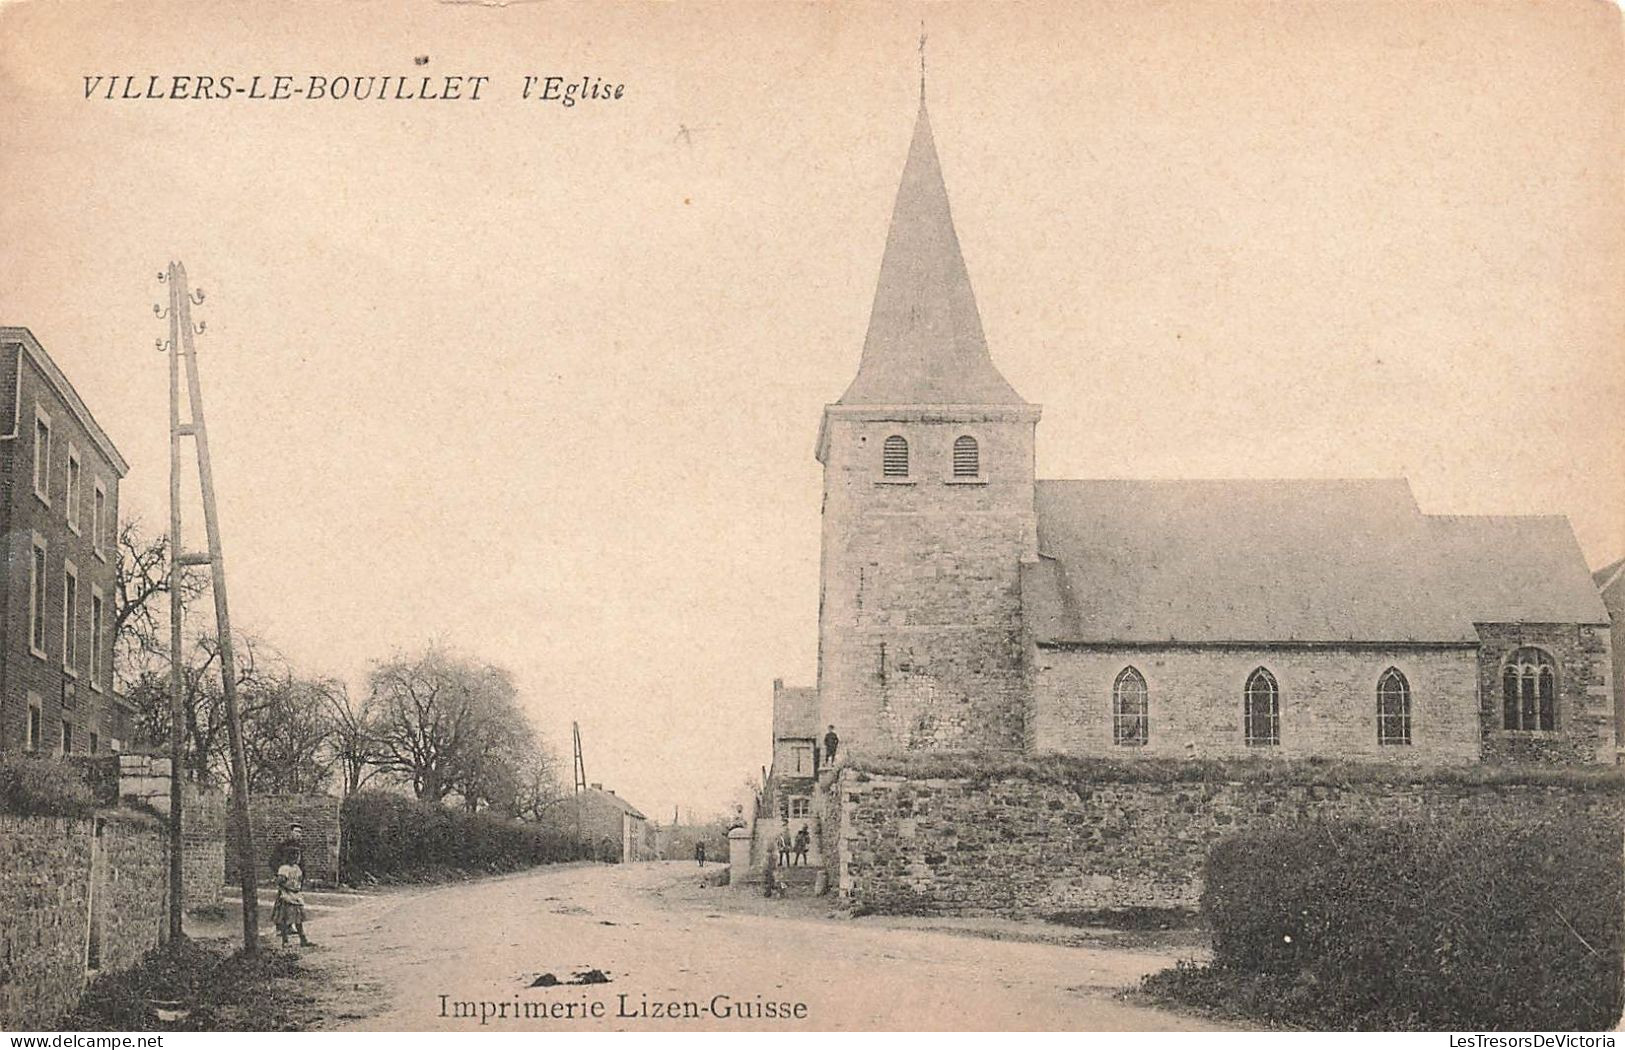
x=1019 y=846
x=1585 y=702
x=1328 y=699
x=920 y=630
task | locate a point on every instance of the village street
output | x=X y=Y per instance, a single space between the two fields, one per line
x=439 y=958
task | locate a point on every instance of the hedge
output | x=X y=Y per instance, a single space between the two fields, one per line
x=390 y=837
x=31 y=786
x=1445 y=923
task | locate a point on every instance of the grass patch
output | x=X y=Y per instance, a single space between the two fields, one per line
x=1068 y=770
x=203 y=986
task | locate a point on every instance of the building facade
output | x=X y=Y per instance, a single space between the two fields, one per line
x=59 y=479
x=966 y=605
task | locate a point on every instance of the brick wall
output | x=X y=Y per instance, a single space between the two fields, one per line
x=920 y=644
x=1020 y=846
x=55 y=874
x=269 y=817
x=1328 y=701
x=81 y=699
x=144 y=780
x=1585 y=702
x=203 y=846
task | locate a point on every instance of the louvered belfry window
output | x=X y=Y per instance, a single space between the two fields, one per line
x=967 y=457
x=894 y=457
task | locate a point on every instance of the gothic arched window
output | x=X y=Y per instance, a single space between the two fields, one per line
x=1529 y=690
x=1393 y=708
x=894 y=457
x=1262 y=714
x=967 y=457
x=1131 y=716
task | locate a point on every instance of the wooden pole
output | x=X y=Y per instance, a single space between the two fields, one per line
x=177 y=683
x=246 y=865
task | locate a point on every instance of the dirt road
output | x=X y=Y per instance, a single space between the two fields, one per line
x=482 y=956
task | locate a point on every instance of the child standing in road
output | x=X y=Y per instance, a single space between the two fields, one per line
x=289 y=911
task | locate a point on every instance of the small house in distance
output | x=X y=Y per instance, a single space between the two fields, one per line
x=614 y=828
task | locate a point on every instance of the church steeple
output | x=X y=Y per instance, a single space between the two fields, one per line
x=925 y=344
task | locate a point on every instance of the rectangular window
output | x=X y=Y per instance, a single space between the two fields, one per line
x=67 y=737
x=99 y=525
x=75 y=477
x=70 y=619
x=35 y=722
x=801 y=759
x=97 y=611
x=42 y=454
x=36 y=598
x=800 y=807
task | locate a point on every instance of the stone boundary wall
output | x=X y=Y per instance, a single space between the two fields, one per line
x=269 y=817
x=75 y=891
x=144 y=780
x=1016 y=846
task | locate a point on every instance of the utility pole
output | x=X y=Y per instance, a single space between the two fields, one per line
x=581 y=776
x=182 y=345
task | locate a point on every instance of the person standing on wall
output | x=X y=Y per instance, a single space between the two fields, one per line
x=831 y=742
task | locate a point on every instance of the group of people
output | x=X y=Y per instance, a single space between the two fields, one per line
x=793 y=848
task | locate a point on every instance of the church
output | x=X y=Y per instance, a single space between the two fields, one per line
x=967 y=605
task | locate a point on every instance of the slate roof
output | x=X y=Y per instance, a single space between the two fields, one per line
x=1610 y=576
x=795 y=713
x=1289 y=561
x=597 y=796
x=925 y=344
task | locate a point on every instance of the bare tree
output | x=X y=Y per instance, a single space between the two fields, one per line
x=141 y=603
x=429 y=719
x=287 y=733
x=354 y=742
x=203 y=702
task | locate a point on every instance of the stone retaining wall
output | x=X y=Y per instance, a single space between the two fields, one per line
x=74 y=892
x=1020 y=847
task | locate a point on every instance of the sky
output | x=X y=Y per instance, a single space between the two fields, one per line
x=542 y=382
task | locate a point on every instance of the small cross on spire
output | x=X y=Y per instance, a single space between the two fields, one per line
x=922 y=61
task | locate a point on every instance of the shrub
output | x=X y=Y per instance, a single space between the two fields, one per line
x=42 y=787
x=1488 y=923
x=390 y=837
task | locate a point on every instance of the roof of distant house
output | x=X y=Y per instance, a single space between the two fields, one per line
x=597 y=794
x=795 y=712
x=1289 y=561
x=1610 y=576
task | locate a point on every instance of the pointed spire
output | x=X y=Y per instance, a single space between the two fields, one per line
x=925 y=343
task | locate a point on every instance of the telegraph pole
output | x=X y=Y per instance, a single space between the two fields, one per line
x=180 y=323
x=581 y=776
x=177 y=685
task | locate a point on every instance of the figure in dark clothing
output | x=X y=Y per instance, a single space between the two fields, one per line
x=803 y=840
x=831 y=742
x=699 y=853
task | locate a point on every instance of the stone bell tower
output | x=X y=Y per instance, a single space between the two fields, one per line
x=928 y=506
